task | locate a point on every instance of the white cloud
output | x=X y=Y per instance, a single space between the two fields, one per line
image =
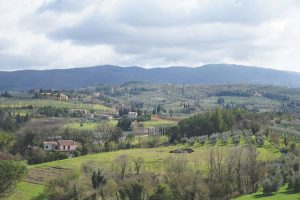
x=74 y=33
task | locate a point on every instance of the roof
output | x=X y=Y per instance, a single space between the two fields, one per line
x=67 y=142
x=50 y=142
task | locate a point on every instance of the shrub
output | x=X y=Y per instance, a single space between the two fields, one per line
x=213 y=139
x=192 y=141
x=224 y=138
x=184 y=140
x=294 y=182
x=260 y=140
x=202 y=140
x=236 y=139
x=162 y=192
x=267 y=186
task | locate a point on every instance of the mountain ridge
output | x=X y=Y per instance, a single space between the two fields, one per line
x=111 y=74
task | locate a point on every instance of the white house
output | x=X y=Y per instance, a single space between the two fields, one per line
x=61 y=145
x=132 y=115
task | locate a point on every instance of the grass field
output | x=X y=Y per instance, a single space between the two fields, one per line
x=28 y=191
x=282 y=194
x=46 y=102
x=154 y=162
x=154 y=122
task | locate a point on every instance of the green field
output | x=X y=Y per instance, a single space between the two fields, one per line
x=282 y=194
x=46 y=102
x=154 y=162
x=154 y=122
x=27 y=191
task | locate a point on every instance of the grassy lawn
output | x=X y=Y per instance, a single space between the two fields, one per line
x=282 y=194
x=27 y=191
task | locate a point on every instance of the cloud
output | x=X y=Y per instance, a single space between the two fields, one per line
x=75 y=33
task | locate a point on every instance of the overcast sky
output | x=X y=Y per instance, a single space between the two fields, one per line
x=37 y=34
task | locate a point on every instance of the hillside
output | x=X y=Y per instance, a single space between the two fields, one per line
x=109 y=74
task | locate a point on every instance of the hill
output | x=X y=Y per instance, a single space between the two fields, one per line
x=109 y=74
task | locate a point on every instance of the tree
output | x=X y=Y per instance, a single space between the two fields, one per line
x=133 y=191
x=104 y=134
x=98 y=179
x=224 y=138
x=221 y=100
x=260 y=140
x=202 y=140
x=236 y=139
x=213 y=139
x=219 y=125
x=138 y=162
x=124 y=123
x=10 y=173
x=176 y=164
x=117 y=134
x=161 y=192
x=121 y=165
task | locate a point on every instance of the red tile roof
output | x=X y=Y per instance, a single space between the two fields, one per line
x=67 y=142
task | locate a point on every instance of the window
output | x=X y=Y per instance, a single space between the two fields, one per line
x=46 y=146
x=64 y=147
x=68 y=147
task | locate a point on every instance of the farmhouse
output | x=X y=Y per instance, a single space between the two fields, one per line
x=61 y=145
x=132 y=115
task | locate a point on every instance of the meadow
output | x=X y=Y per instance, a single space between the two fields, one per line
x=154 y=162
x=36 y=103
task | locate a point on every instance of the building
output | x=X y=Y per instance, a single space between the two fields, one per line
x=61 y=145
x=132 y=115
x=63 y=97
x=78 y=111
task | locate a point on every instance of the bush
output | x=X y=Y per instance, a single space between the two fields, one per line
x=236 y=139
x=40 y=156
x=184 y=140
x=267 y=186
x=260 y=140
x=224 y=138
x=213 y=139
x=162 y=192
x=192 y=141
x=294 y=182
x=202 y=140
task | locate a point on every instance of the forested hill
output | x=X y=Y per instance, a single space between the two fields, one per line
x=91 y=76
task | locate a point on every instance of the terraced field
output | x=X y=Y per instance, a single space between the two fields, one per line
x=42 y=175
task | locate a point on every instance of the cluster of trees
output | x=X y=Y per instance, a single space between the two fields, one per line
x=238 y=93
x=285 y=170
x=36 y=156
x=10 y=121
x=224 y=137
x=276 y=96
x=51 y=111
x=203 y=124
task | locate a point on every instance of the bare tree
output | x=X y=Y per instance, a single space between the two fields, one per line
x=121 y=165
x=177 y=164
x=104 y=135
x=138 y=162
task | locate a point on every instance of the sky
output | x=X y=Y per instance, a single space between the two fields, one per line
x=45 y=34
